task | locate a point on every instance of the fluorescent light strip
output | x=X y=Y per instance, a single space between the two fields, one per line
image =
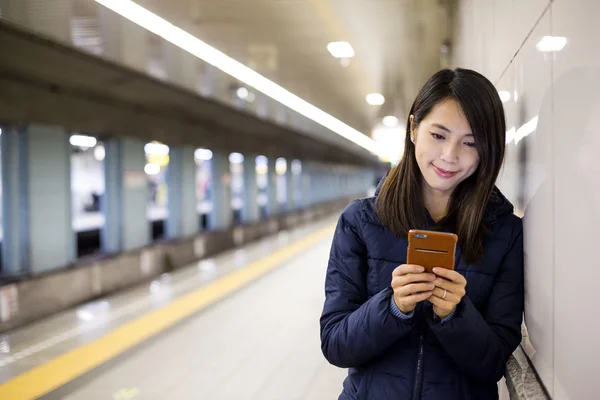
x=83 y=141
x=510 y=135
x=340 y=49
x=526 y=129
x=209 y=54
x=550 y=44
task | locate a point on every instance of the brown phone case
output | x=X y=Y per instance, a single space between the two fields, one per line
x=431 y=249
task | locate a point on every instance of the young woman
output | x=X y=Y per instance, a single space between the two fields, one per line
x=406 y=334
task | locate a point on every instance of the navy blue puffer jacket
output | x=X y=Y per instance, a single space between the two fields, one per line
x=421 y=358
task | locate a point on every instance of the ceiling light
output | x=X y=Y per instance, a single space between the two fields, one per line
x=391 y=139
x=340 y=49
x=242 y=93
x=280 y=166
x=155 y=148
x=296 y=167
x=239 y=71
x=390 y=121
x=236 y=158
x=375 y=99
x=152 y=169
x=82 y=141
x=261 y=160
x=549 y=44
x=99 y=153
x=203 y=154
x=504 y=96
x=85 y=315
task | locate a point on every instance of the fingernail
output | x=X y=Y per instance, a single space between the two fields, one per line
x=420 y=269
x=431 y=286
x=436 y=270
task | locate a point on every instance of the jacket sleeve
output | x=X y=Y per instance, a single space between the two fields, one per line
x=354 y=328
x=481 y=343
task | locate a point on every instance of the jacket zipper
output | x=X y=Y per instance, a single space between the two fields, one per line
x=418 y=378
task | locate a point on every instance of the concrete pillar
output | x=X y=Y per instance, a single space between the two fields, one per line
x=347 y=183
x=336 y=184
x=182 y=219
x=313 y=181
x=111 y=203
x=124 y=41
x=38 y=233
x=324 y=189
x=250 y=212
x=306 y=186
x=273 y=206
x=14 y=190
x=220 y=193
x=126 y=196
x=329 y=188
x=334 y=179
x=298 y=187
x=290 y=187
x=318 y=186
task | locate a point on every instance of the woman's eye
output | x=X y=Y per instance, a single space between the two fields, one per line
x=470 y=144
x=437 y=136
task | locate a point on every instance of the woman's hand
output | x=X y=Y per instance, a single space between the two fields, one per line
x=449 y=291
x=411 y=286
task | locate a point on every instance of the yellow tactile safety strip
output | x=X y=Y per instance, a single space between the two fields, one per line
x=63 y=369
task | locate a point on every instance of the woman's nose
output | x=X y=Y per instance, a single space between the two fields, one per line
x=450 y=153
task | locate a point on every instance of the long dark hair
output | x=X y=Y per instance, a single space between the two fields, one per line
x=400 y=205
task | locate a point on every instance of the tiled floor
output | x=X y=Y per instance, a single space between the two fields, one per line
x=261 y=343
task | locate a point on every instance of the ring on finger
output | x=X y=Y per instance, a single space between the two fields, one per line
x=444 y=295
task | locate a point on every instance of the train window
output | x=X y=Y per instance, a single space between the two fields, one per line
x=87 y=188
x=157 y=163
x=203 y=159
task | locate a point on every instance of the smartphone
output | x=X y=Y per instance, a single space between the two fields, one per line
x=431 y=249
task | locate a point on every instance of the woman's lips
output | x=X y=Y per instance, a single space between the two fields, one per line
x=444 y=173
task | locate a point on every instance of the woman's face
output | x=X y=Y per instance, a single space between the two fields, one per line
x=445 y=147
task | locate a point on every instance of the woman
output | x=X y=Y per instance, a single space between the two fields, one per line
x=406 y=334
